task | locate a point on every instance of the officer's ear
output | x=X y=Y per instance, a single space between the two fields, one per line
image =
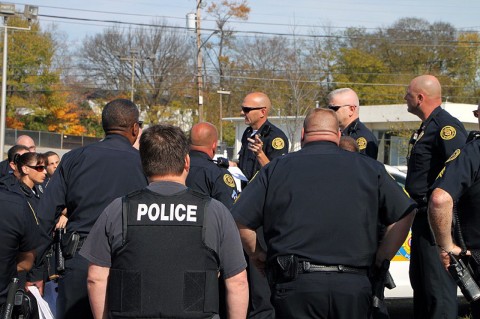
x=187 y=163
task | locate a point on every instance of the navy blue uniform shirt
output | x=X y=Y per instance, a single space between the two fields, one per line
x=206 y=177
x=461 y=180
x=323 y=204
x=275 y=144
x=88 y=179
x=18 y=233
x=438 y=137
x=366 y=141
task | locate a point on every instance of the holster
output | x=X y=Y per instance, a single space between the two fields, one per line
x=69 y=244
x=380 y=278
x=283 y=269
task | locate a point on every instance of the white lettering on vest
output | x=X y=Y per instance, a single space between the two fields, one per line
x=141 y=211
x=175 y=213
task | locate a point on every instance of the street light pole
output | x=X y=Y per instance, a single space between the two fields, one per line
x=199 y=64
x=7 y=10
x=4 y=90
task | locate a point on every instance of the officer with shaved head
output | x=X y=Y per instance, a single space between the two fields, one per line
x=319 y=245
x=206 y=175
x=439 y=135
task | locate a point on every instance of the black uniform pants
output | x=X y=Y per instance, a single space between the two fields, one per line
x=324 y=295
x=260 y=306
x=434 y=290
x=72 y=299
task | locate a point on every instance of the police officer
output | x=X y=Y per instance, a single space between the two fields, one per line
x=440 y=134
x=7 y=167
x=165 y=258
x=345 y=103
x=319 y=245
x=85 y=182
x=205 y=176
x=19 y=236
x=459 y=183
x=262 y=141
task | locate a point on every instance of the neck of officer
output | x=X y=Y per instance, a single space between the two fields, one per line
x=169 y=178
x=351 y=120
x=321 y=135
x=204 y=149
x=259 y=123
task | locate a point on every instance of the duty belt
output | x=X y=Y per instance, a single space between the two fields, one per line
x=307 y=267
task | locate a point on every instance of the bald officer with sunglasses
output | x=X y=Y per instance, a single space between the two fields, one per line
x=262 y=141
x=346 y=105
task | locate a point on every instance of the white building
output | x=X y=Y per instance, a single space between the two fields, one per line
x=381 y=119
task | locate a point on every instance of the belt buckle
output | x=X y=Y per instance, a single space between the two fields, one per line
x=341 y=268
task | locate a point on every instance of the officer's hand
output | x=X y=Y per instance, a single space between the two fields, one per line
x=62 y=222
x=255 y=145
x=445 y=258
x=259 y=258
x=38 y=284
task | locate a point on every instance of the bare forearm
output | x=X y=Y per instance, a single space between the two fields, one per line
x=262 y=159
x=97 y=290
x=394 y=238
x=440 y=217
x=237 y=296
x=249 y=239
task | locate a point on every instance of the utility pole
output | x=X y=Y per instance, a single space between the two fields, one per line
x=221 y=92
x=199 y=63
x=131 y=59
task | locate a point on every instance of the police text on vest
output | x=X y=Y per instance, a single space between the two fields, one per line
x=178 y=212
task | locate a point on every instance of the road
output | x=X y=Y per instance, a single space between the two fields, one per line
x=403 y=308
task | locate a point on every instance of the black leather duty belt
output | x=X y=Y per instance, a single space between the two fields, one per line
x=307 y=267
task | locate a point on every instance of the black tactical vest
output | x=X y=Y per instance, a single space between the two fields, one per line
x=163 y=269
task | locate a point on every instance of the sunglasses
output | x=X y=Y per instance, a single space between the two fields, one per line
x=247 y=109
x=140 y=124
x=38 y=168
x=475 y=113
x=335 y=108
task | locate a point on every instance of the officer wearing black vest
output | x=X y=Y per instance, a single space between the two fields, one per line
x=161 y=250
x=346 y=104
x=320 y=245
x=205 y=174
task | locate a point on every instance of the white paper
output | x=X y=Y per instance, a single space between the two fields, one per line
x=43 y=308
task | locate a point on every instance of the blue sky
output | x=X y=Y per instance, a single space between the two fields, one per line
x=463 y=14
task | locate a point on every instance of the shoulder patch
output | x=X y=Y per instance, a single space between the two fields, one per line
x=362 y=143
x=448 y=132
x=228 y=179
x=278 y=143
x=440 y=175
x=453 y=156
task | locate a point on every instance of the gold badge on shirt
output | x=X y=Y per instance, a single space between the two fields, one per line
x=362 y=143
x=448 y=132
x=228 y=179
x=278 y=143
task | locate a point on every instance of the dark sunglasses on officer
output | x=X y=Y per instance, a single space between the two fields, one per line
x=247 y=109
